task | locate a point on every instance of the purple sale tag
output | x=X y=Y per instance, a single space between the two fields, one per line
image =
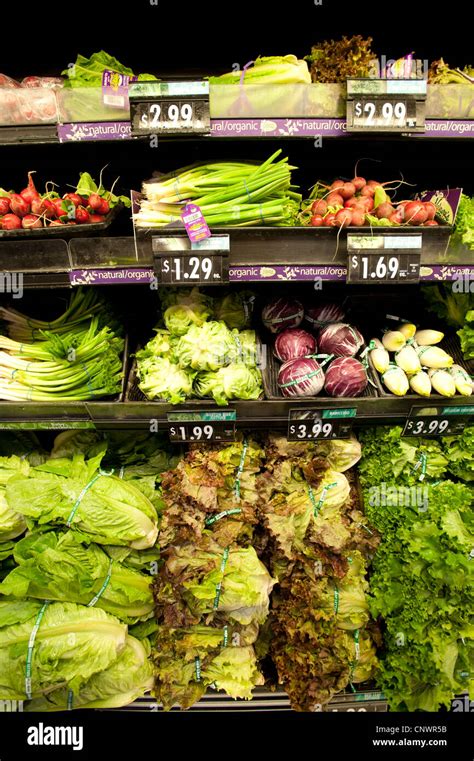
x=115 y=89
x=195 y=224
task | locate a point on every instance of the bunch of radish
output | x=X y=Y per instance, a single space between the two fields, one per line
x=359 y=203
x=31 y=210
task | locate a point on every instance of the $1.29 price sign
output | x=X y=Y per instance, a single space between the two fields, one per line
x=201 y=431
x=198 y=269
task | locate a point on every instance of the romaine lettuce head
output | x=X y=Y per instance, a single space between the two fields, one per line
x=60 y=567
x=183 y=309
x=12 y=524
x=235 y=309
x=237 y=381
x=128 y=678
x=206 y=347
x=107 y=509
x=69 y=443
x=162 y=379
x=72 y=643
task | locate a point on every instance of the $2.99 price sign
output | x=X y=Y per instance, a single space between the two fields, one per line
x=202 y=431
x=382 y=114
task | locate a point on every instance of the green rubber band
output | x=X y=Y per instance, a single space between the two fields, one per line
x=226 y=636
x=70 y=700
x=83 y=494
x=336 y=600
x=31 y=644
x=224 y=514
x=104 y=586
x=225 y=557
x=302 y=378
x=197 y=668
x=240 y=469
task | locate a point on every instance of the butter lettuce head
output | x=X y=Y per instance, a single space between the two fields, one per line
x=206 y=347
x=60 y=567
x=184 y=309
x=72 y=644
x=235 y=309
x=128 y=678
x=237 y=381
x=162 y=379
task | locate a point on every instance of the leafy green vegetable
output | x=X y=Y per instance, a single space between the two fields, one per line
x=88 y=185
x=87 y=72
x=466 y=334
x=162 y=379
x=60 y=567
x=276 y=70
x=128 y=677
x=464 y=222
x=72 y=644
x=206 y=347
x=450 y=307
x=185 y=308
x=102 y=507
x=236 y=381
x=460 y=452
x=235 y=309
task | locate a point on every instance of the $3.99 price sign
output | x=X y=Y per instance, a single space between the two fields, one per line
x=306 y=425
x=310 y=429
x=437 y=422
x=426 y=426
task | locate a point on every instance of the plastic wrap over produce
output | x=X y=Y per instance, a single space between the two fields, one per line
x=31 y=102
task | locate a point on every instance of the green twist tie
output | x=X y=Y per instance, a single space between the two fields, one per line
x=301 y=378
x=31 y=644
x=240 y=470
x=219 y=584
x=336 y=600
x=103 y=587
x=226 y=636
x=70 y=700
x=83 y=494
x=224 y=514
x=197 y=668
x=320 y=502
x=422 y=461
x=354 y=662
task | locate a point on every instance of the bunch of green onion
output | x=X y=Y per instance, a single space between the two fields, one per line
x=75 y=357
x=239 y=194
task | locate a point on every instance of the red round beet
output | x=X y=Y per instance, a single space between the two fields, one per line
x=94 y=201
x=385 y=210
x=415 y=213
x=367 y=191
x=11 y=222
x=352 y=203
x=368 y=203
x=82 y=216
x=319 y=207
x=337 y=184
x=359 y=182
x=330 y=220
x=29 y=193
x=373 y=184
x=347 y=190
x=74 y=197
x=344 y=218
x=431 y=209
x=4 y=206
x=59 y=210
x=31 y=222
x=396 y=217
x=18 y=205
x=96 y=219
x=104 y=207
x=335 y=199
x=358 y=217
x=316 y=220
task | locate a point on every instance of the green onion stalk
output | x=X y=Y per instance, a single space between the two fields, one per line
x=236 y=194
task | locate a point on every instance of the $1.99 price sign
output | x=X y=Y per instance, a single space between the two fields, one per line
x=202 y=426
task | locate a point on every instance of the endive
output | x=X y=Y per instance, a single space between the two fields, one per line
x=420 y=383
x=462 y=380
x=442 y=382
x=434 y=357
x=395 y=380
x=408 y=360
x=393 y=340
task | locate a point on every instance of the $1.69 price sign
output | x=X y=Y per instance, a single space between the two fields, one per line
x=383 y=258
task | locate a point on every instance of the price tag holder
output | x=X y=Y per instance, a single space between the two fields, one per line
x=310 y=425
x=438 y=421
x=205 y=427
x=170 y=108
x=386 y=105
x=179 y=261
x=382 y=259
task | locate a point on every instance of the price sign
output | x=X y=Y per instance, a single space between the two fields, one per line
x=171 y=108
x=202 y=426
x=381 y=259
x=308 y=425
x=386 y=105
x=178 y=261
x=437 y=421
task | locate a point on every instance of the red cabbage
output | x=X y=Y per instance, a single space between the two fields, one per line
x=340 y=339
x=301 y=377
x=345 y=376
x=294 y=343
x=324 y=314
x=282 y=313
